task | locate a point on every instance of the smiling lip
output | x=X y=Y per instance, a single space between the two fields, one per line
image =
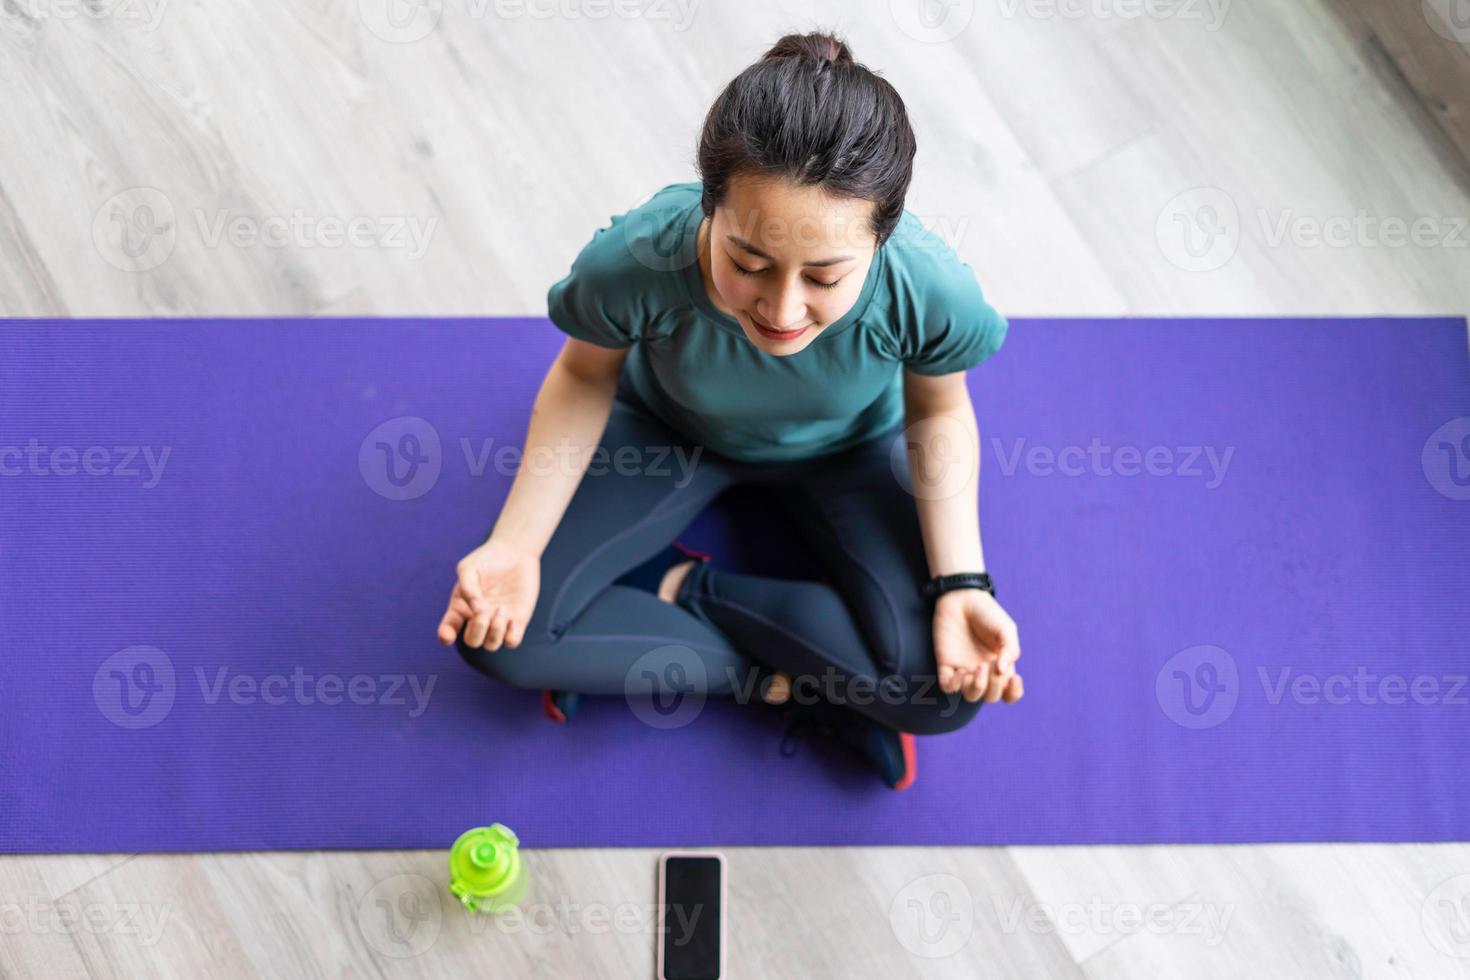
x=766 y=331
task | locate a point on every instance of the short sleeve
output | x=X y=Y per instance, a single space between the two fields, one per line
x=956 y=327
x=585 y=304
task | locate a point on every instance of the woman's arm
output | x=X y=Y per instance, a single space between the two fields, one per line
x=975 y=641
x=496 y=585
x=567 y=422
x=944 y=467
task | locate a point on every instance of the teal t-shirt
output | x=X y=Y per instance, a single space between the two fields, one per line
x=637 y=285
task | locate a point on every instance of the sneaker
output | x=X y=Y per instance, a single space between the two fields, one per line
x=890 y=753
x=649 y=575
x=560 y=706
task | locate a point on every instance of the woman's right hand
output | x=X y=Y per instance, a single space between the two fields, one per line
x=494 y=596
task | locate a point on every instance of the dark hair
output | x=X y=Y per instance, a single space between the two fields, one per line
x=808 y=113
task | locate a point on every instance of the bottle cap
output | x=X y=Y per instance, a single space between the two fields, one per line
x=484 y=862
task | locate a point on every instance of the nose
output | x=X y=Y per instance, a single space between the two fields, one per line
x=787 y=311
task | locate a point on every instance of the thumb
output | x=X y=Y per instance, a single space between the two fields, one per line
x=469 y=585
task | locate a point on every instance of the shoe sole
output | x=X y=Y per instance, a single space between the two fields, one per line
x=910 y=761
x=688 y=552
x=549 y=708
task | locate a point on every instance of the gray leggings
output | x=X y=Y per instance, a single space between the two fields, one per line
x=862 y=639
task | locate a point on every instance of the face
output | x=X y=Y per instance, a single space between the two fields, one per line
x=785 y=261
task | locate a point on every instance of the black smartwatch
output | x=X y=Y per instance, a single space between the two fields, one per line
x=940 y=584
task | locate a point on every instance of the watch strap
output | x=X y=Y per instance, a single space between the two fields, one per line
x=941 y=584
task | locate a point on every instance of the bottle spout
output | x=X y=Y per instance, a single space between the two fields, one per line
x=483 y=854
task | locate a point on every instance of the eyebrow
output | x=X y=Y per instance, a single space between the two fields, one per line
x=755 y=251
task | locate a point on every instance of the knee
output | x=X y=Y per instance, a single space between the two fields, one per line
x=474 y=656
x=917 y=704
x=924 y=709
x=950 y=714
x=515 y=667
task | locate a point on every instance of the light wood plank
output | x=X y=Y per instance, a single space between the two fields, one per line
x=1049 y=148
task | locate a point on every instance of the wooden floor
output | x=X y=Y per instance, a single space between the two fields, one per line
x=1248 y=158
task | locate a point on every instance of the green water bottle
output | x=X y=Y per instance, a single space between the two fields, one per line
x=486 y=872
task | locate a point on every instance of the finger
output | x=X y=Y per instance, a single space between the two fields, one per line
x=496 y=635
x=1014 y=689
x=998 y=682
x=948 y=681
x=474 y=633
x=514 y=631
x=449 y=625
x=973 y=690
x=982 y=675
x=1010 y=651
x=454 y=618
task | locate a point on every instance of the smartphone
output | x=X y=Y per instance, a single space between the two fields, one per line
x=691 y=913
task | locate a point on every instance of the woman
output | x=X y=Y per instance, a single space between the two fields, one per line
x=783 y=323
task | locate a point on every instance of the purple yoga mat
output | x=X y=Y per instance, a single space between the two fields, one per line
x=1237 y=551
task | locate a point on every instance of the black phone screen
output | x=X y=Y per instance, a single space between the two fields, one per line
x=691 y=935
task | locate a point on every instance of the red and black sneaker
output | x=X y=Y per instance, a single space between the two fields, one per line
x=891 y=753
x=560 y=706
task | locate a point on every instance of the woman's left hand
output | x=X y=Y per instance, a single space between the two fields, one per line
x=976 y=646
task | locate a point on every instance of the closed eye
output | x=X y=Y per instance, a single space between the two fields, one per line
x=755 y=272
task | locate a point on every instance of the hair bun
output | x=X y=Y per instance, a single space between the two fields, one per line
x=824 y=49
